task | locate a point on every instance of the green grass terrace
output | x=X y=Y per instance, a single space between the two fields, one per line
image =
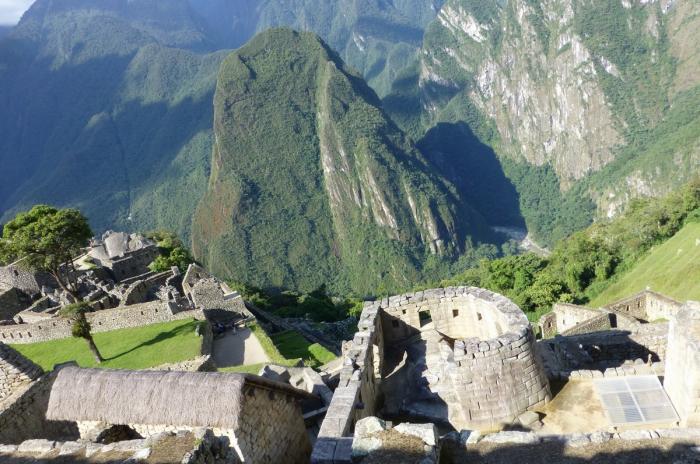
x=285 y=348
x=135 y=348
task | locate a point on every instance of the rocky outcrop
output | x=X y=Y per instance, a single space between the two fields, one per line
x=562 y=85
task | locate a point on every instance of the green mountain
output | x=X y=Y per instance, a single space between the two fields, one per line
x=585 y=103
x=103 y=110
x=312 y=184
x=107 y=105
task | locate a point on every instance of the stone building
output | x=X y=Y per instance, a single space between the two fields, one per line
x=125 y=255
x=646 y=306
x=462 y=356
x=627 y=313
x=17 y=275
x=261 y=418
x=16 y=371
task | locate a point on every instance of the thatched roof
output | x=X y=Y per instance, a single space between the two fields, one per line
x=197 y=399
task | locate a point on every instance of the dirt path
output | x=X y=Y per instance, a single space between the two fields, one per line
x=239 y=348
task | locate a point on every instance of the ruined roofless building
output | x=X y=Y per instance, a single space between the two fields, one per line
x=126 y=255
x=461 y=355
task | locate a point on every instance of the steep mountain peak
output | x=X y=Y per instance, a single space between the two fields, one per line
x=303 y=154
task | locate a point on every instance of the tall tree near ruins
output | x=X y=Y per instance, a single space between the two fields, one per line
x=80 y=327
x=48 y=239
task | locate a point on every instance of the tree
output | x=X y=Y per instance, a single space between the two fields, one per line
x=48 y=238
x=80 y=326
x=173 y=252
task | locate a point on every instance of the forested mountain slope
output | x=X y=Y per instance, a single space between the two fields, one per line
x=107 y=105
x=570 y=88
x=311 y=184
x=99 y=112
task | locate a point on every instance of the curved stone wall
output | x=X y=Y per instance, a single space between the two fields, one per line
x=491 y=363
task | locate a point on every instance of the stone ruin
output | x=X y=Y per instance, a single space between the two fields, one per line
x=121 y=416
x=112 y=276
x=466 y=360
x=459 y=356
x=627 y=337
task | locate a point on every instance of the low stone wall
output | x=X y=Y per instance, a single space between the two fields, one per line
x=598 y=323
x=16 y=371
x=628 y=350
x=682 y=380
x=570 y=315
x=691 y=435
x=101 y=321
x=357 y=391
x=22 y=415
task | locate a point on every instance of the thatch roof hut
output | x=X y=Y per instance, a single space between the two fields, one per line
x=193 y=399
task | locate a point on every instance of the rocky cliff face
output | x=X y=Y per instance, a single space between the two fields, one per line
x=566 y=82
x=311 y=184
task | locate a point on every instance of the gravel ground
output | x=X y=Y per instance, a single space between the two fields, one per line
x=661 y=451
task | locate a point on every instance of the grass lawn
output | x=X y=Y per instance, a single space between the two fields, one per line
x=293 y=345
x=243 y=369
x=672 y=268
x=286 y=349
x=135 y=348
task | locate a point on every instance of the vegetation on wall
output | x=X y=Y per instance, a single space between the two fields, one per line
x=173 y=252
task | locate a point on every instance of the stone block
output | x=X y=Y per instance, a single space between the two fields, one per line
x=512 y=437
x=71 y=447
x=426 y=432
x=39 y=446
x=528 y=418
x=634 y=435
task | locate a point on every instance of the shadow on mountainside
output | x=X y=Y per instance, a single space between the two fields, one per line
x=85 y=143
x=474 y=169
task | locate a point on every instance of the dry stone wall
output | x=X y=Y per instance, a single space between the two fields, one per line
x=101 y=321
x=598 y=323
x=610 y=353
x=682 y=379
x=647 y=306
x=357 y=391
x=16 y=275
x=493 y=370
x=568 y=316
x=12 y=301
x=23 y=415
x=271 y=428
x=16 y=371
